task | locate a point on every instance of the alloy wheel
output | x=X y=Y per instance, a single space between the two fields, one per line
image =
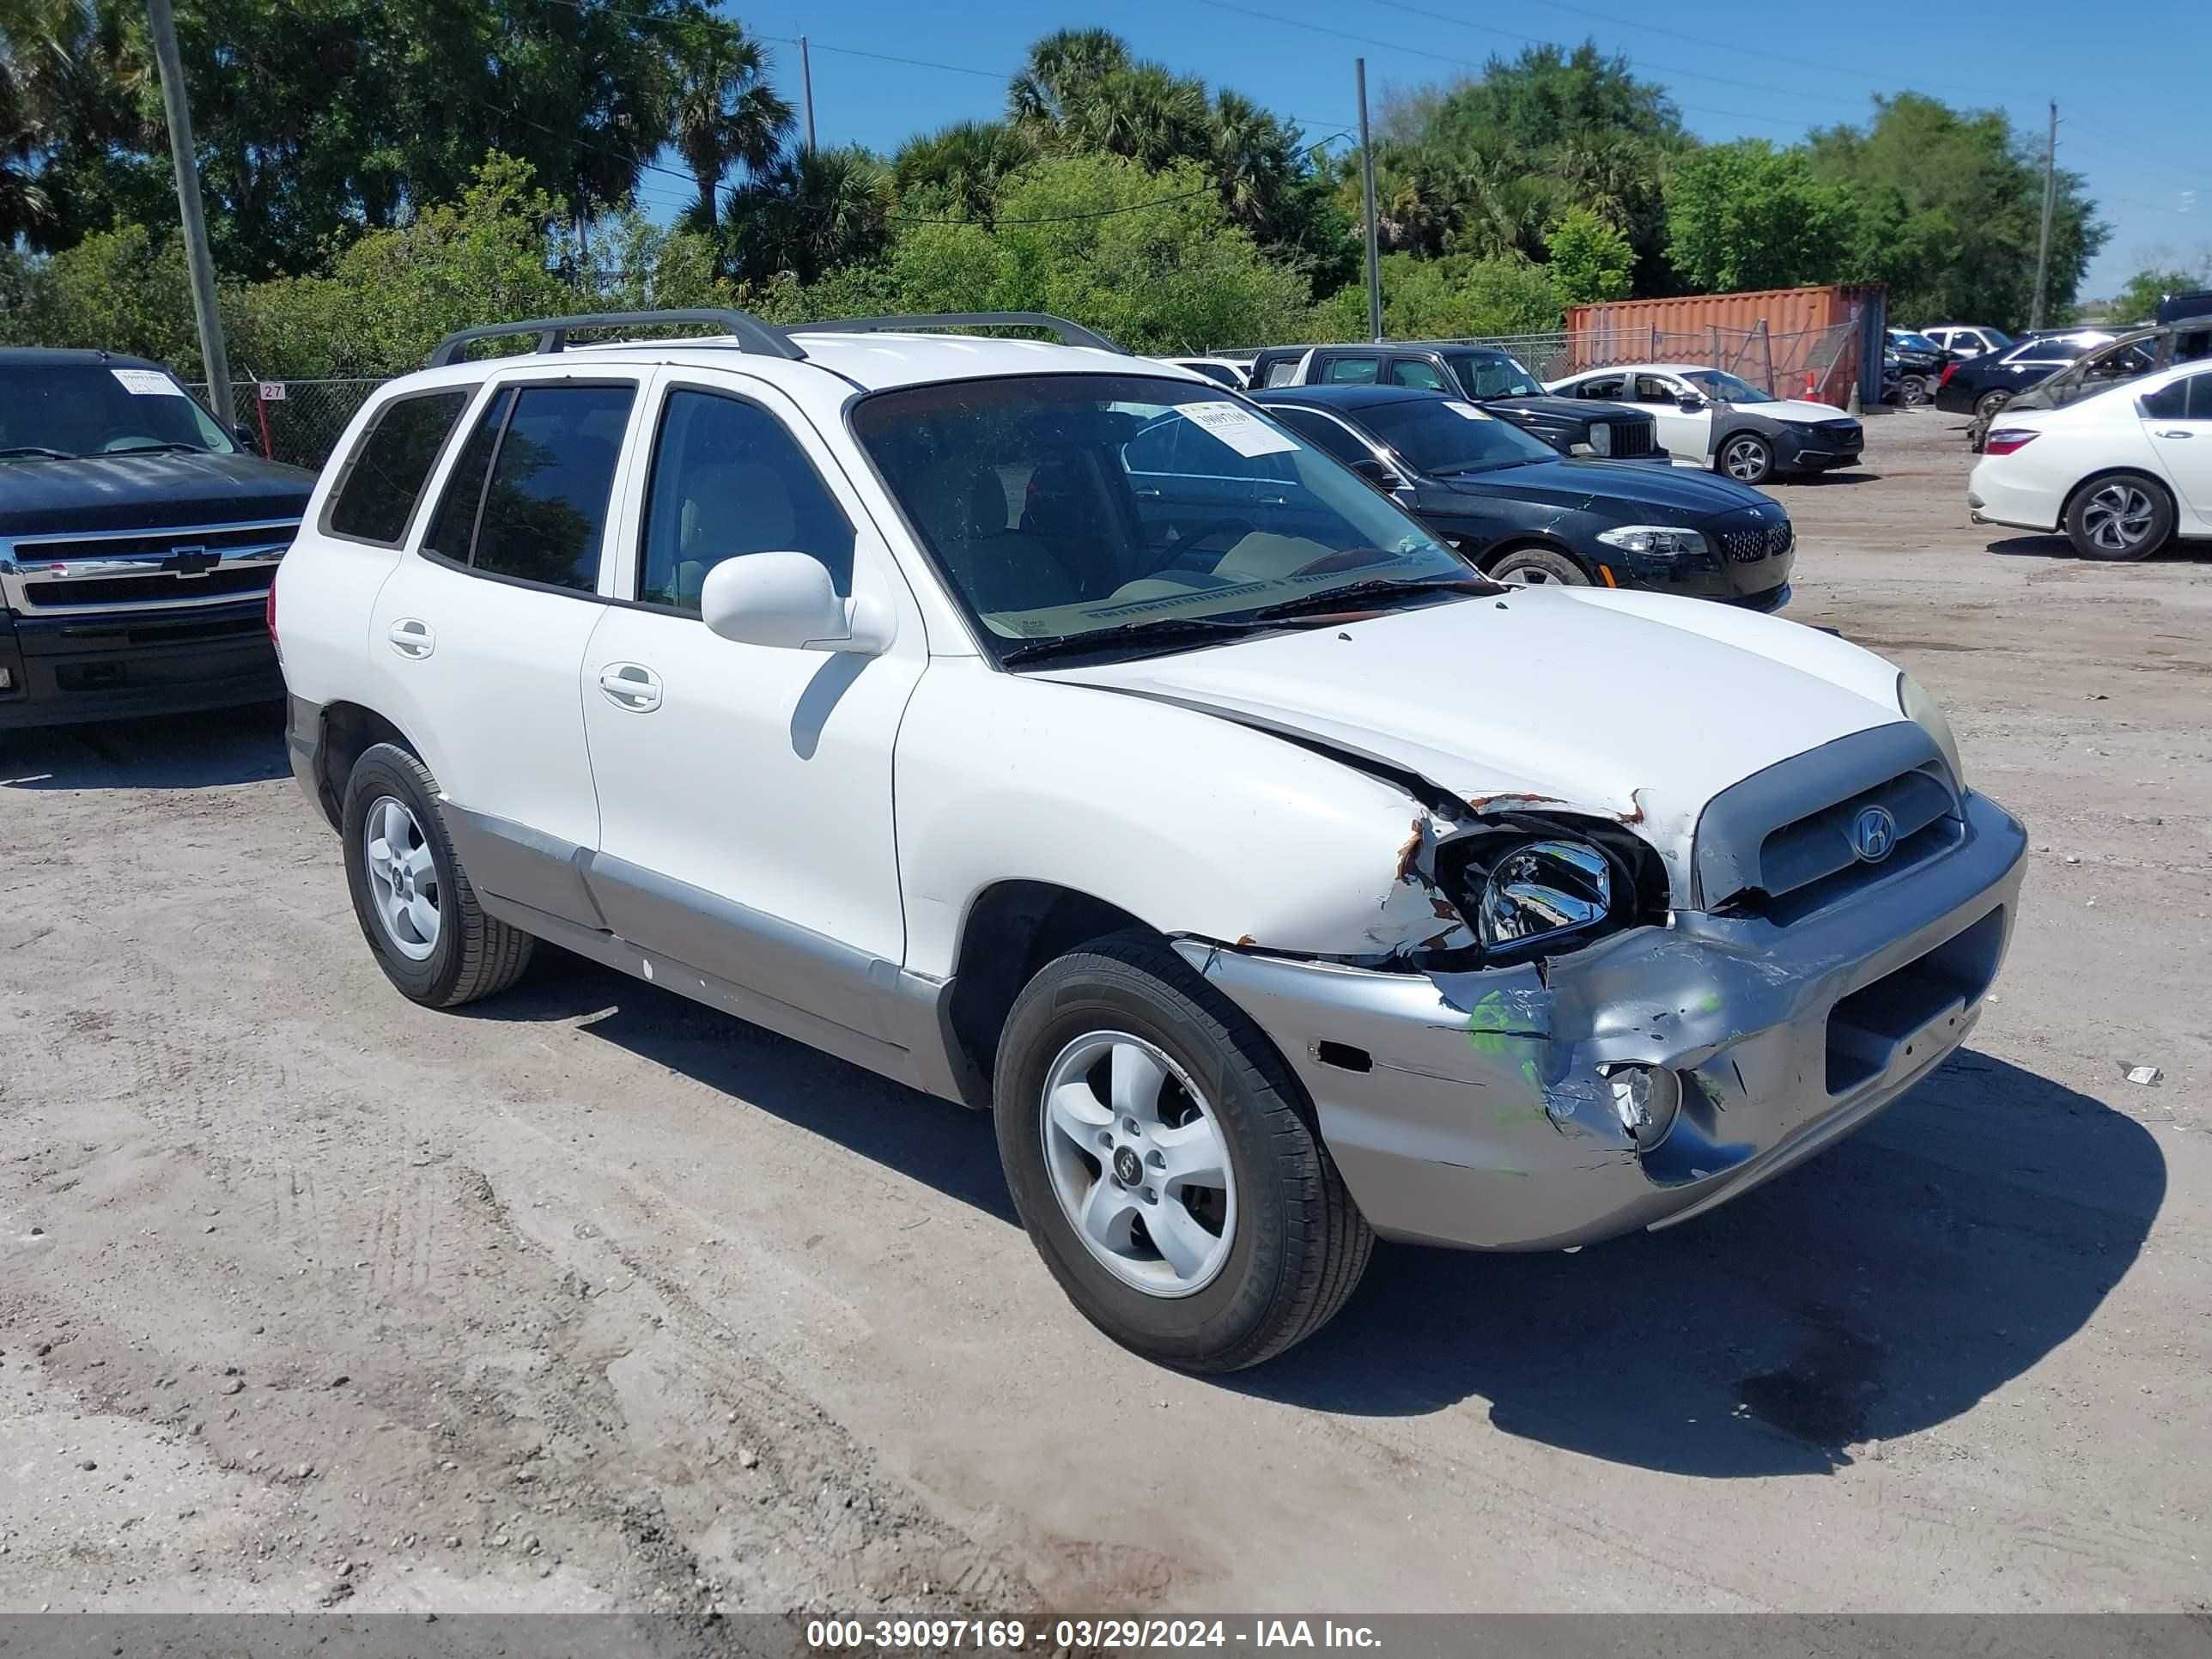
x=2117 y=517
x=1138 y=1164
x=1745 y=460
x=402 y=878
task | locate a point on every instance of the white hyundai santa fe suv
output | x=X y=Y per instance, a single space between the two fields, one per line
x=1277 y=881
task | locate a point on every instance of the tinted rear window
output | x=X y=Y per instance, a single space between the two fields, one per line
x=545 y=506
x=376 y=498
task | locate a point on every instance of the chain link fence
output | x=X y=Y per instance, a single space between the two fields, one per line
x=298 y=422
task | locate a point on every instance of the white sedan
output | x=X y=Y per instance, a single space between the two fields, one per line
x=2122 y=473
x=1709 y=417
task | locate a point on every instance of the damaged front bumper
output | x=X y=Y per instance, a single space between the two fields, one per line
x=1472 y=1109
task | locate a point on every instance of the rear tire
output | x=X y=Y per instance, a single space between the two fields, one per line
x=1204 y=1275
x=2125 y=516
x=1538 y=566
x=411 y=895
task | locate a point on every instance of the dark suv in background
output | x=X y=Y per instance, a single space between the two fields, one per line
x=1494 y=379
x=138 y=541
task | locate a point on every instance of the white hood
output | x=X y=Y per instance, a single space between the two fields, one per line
x=1799 y=409
x=1639 y=705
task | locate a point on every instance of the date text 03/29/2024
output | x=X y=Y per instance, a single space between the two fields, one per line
x=1081 y=1635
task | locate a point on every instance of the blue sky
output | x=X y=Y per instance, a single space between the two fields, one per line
x=2135 y=102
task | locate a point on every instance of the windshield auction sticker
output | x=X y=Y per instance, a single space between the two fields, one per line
x=147 y=383
x=1238 y=429
x=1465 y=411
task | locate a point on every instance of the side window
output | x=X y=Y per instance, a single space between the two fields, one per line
x=374 y=500
x=1351 y=371
x=1322 y=433
x=1283 y=370
x=453 y=528
x=1156 y=449
x=2200 y=396
x=728 y=479
x=546 y=503
x=1412 y=371
x=2171 y=401
x=1603 y=387
x=1651 y=388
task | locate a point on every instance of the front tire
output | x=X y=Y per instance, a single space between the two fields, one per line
x=1538 y=566
x=412 y=898
x=1159 y=1154
x=2125 y=516
x=1747 y=458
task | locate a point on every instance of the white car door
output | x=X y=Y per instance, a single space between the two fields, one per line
x=481 y=627
x=1686 y=434
x=745 y=790
x=2178 y=419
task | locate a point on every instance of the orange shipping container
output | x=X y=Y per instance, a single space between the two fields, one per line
x=1788 y=323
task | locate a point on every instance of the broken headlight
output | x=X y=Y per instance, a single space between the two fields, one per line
x=1543 y=890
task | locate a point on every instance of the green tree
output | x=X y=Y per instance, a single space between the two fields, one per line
x=2137 y=301
x=1949 y=210
x=1590 y=258
x=1454 y=296
x=808 y=212
x=1747 y=215
x=725 y=115
x=958 y=170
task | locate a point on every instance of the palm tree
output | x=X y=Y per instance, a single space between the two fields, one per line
x=808 y=211
x=725 y=112
x=1254 y=161
x=962 y=166
x=1059 y=68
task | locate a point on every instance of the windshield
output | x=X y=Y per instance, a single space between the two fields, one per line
x=1061 y=505
x=1442 y=436
x=91 y=408
x=1725 y=388
x=1911 y=341
x=1493 y=374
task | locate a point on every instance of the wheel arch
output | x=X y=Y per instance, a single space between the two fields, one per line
x=348 y=730
x=1012 y=930
x=1521 y=540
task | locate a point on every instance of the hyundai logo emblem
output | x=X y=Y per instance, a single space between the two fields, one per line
x=1873 y=835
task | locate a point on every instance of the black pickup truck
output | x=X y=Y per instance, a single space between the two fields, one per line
x=138 y=541
x=1483 y=374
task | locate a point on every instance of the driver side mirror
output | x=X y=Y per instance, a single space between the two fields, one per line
x=247 y=438
x=1689 y=403
x=1377 y=473
x=787 y=599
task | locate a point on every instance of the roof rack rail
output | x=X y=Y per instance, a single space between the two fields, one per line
x=750 y=333
x=1068 y=333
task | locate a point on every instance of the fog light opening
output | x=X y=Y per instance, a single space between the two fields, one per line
x=1647 y=1099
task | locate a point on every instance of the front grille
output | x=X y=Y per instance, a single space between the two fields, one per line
x=1759 y=542
x=1843 y=429
x=1622 y=440
x=130 y=590
x=1807 y=865
x=158 y=544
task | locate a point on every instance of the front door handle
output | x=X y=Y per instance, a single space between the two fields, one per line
x=2183 y=433
x=631 y=685
x=412 y=636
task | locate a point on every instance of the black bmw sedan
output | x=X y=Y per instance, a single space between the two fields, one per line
x=1524 y=514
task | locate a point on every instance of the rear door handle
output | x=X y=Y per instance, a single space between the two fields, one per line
x=631 y=685
x=412 y=636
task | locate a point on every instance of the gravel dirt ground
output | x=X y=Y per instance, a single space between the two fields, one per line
x=587 y=1297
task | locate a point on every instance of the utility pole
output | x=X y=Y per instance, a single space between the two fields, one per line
x=197 y=260
x=2050 y=202
x=807 y=80
x=1367 y=190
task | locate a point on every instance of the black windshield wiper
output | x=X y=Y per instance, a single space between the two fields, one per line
x=38 y=450
x=1166 y=629
x=1348 y=597
x=152 y=449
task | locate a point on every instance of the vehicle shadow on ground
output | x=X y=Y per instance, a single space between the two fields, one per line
x=168 y=751
x=1884 y=1287
x=1833 y=480
x=945 y=1146
x=2034 y=547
